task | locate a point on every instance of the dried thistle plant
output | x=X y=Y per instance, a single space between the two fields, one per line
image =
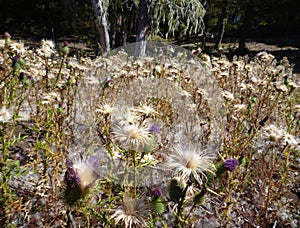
x=261 y=131
x=130 y=113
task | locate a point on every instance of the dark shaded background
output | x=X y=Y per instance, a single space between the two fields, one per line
x=273 y=22
x=56 y=19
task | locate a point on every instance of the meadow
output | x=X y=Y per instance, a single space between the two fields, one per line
x=172 y=139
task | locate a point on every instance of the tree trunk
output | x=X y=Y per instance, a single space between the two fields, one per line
x=206 y=21
x=222 y=24
x=101 y=24
x=144 y=20
x=246 y=27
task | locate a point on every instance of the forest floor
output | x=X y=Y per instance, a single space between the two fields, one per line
x=280 y=47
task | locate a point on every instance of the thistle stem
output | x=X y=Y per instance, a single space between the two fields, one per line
x=134 y=181
x=270 y=184
x=60 y=68
x=179 y=215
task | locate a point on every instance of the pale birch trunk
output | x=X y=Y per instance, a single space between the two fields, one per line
x=222 y=24
x=101 y=24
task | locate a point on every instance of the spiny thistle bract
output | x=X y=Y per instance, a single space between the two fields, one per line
x=79 y=177
x=175 y=191
x=158 y=205
x=157 y=201
x=200 y=197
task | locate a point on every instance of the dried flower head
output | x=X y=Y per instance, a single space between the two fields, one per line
x=5 y=115
x=272 y=133
x=131 y=136
x=2 y=45
x=133 y=213
x=227 y=95
x=146 y=110
x=265 y=57
x=125 y=115
x=190 y=162
x=239 y=107
x=275 y=135
x=47 y=48
x=281 y=87
x=105 y=109
x=206 y=59
x=50 y=97
x=17 y=48
x=290 y=140
x=297 y=108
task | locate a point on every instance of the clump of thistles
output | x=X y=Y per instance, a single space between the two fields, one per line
x=79 y=177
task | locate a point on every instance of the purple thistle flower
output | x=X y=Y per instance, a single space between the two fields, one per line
x=154 y=128
x=231 y=164
x=66 y=43
x=22 y=76
x=157 y=192
x=7 y=35
x=16 y=58
x=71 y=176
x=20 y=157
x=69 y=164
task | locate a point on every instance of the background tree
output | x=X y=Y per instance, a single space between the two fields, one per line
x=122 y=17
x=146 y=9
x=222 y=23
x=100 y=10
x=206 y=18
x=255 y=19
x=248 y=17
x=178 y=18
